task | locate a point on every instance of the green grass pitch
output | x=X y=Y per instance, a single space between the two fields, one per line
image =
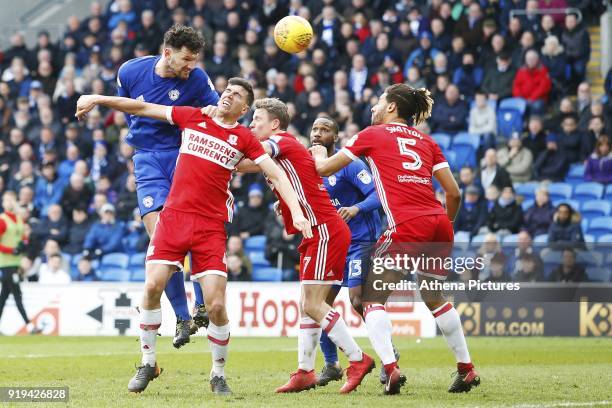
x=515 y=372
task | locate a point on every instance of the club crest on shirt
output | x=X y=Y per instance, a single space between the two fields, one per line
x=364 y=177
x=174 y=94
x=147 y=201
x=232 y=139
x=331 y=180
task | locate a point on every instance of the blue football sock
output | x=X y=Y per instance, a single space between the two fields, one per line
x=329 y=349
x=175 y=291
x=199 y=296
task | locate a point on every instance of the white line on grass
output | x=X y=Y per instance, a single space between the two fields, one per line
x=562 y=404
x=104 y=354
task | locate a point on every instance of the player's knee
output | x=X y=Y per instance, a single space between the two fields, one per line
x=153 y=288
x=215 y=308
x=311 y=308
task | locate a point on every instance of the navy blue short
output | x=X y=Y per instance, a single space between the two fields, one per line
x=154 y=172
x=357 y=264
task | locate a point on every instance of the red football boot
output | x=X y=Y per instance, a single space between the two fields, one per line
x=395 y=381
x=355 y=373
x=465 y=379
x=300 y=381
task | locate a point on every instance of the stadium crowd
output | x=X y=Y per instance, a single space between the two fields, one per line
x=512 y=112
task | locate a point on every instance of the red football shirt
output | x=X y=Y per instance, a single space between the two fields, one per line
x=403 y=161
x=210 y=151
x=299 y=166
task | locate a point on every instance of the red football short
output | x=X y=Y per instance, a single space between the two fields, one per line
x=323 y=256
x=428 y=236
x=178 y=232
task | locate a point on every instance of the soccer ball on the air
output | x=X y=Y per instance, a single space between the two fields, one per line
x=293 y=34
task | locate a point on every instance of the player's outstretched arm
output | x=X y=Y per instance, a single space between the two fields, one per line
x=326 y=166
x=281 y=183
x=126 y=105
x=451 y=190
x=248 y=165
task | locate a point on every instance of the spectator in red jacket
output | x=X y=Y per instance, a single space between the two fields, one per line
x=532 y=82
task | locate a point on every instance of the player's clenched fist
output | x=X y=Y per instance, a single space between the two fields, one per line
x=318 y=152
x=85 y=104
x=303 y=225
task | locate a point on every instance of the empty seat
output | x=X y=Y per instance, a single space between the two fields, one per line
x=138 y=259
x=509 y=121
x=478 y=240
x=598 y=274
x=255 y=243
x=518 y=104
x=465 y=138
x=559 y=191
x=114 y=274
x=137 y=274
x=575 y=174
x=115 y=259
x=510 y=240
x=451 y=157
x=442 y=139
x=608 y=193
x=541 y=239
x=258 y=258
x=595 y=208
x=604 y=239
x=527 y=190
x=264 y=274
x=600 y=225
x=588 y=191
x=465 y=155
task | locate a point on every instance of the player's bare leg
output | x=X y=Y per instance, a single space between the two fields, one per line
x=448 y=321
x=157 y=276
x=317 y=315
x=175 y=291
x=214 y=287
x=380 y=330
x=331 y=371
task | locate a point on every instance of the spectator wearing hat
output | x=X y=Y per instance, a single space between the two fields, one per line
x=552 y=164
x=250 y=219
x=473 y=214
x=599 y=165
x=569 y=270
x=49 y=189
x=539 y=216
x=532 y=83
x=516 y=159
x=565 y=230
x=105 y=235
x=449 y=114
x=79 y=227
x=506 y=217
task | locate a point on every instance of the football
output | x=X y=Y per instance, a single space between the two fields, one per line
x=293 y=34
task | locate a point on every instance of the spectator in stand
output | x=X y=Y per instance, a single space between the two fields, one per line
x=235 y=247
x=86 y=271
x=468 y=76
x=491 y=173
x=565 y=230
x=127 y=200
x=52 y=272
x=584 y=103
x=535 y=137
x=483 y=121
x=532 y=83
x=491 y=196
x=489 y=248
x=539 y=216
x=599 y=165
x=236 y=271
x=54 y=226
x=423 y=56
x=281 y=248
x=527 y=43
x=552 y=164
x=571 y=140
x=135 y=238
x=553 y=58
x=468 y=178
x=516 y=159
x=76 y=194
x=25 y=176
x=595 y=130
x=529 y=270
x=250 y=219
x=450 y=114
x=105 y=235
x=77 y=232
x=497 y=268
x=524 y=247
x=575 y=39
x=569 y=270
x=473 y=214
x=49 y=189
x=506 y=217
x=469 y=26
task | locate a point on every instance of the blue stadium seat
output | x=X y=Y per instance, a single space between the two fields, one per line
x=478 y=240
x=509 y=121
x=527 y=190
x=255 y=243
x=114 y=274
x=492 y=103
x=541 y=239
x=451 y=157
x=137 y=260
x=442 y=139
x=67 y=258
x=575 y=175
x=608 y=261
x=258 y=258
x=465 y=138
x=462 y=240
x=588 y=191
x=605 y=239
x=572 y=203
x=137 y=274
x=465 y=155
x=518 y=104
x=510 y=240
x=559 y=191
x=551 y=260
x=584 y=224
x=267 y=274
x=527 y=204
x=115 y=260
x=600 y=225
x=589 y=258
x=595 y=208
x=588 y=238
x=608 y=193
x=598 y=274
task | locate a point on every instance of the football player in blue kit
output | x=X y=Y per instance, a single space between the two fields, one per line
x=353 y=194
x=168 y=79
